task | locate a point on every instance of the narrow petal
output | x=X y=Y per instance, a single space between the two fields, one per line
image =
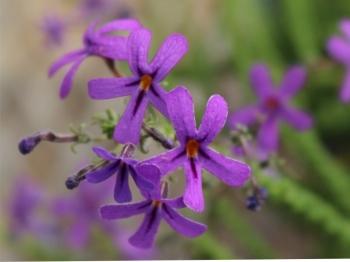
x=146 y=233
x=103 y=153
x=298 y=119
x=157 y=96
x=181 y=224
x=138 y=47
x=68 y=78
x=268 y=135
x=175 y=202
x=141 y=182
x=181 y=113
x=293 y=80
x=127 y=24
x=228 y=170
x=261 y=80
x=129 y=127
x=113 y=47
x=193 y=196
x=122 y=191
x=246 y=116
x=78 y=234
x=151 y=174
x=345 y=90
x=172 y=50
x=339 y=49
x=107 y=88
x=66 y=59
x=101 y=174
x=345 y=27
x=124 y=210
x=213 y=119
x=168 y=161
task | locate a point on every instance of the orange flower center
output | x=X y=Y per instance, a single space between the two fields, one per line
x=145 y=82
x=192 y=147
x=156 y=203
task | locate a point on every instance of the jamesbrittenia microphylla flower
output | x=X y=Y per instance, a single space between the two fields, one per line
x=97 y=42
x=144 y=85
x=191 y=150
x=272 y=106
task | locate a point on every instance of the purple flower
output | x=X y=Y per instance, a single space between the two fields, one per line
x=272 y=105
x=25 y=199
x=194 y=152
x=144 y=85
x=80 y=209
x=121 y=166
x=96 y=43
x=53 y=28
x=156 y=207
x=339 y=48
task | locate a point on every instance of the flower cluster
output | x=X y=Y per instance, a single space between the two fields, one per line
x=144 y=86
x=192 y=150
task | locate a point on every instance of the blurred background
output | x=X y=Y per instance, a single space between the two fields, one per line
x=307 y=212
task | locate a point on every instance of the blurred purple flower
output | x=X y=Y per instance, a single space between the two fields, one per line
x=194 y=152
x=121 y=166
x=339 y=48
x=144 y=85
x=24 y=200
x=80 y=209
x=273 y=105
x=53 y=28
x=156 y=207
x=96 y=43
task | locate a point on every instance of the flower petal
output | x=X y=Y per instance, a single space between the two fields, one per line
x=147 y=177
x=124 y=210
x=168 y=161
x=175 y=202
x=181 y=113
x=138 y=47
x=145 y=234
x=193 y=196
x=345 y=27
x=106 y=88
x=293 y=80
x=103 y=153
x=339 y=49
x=122 y=191
x=345 y=90
x=213 y=119
x=244 y=116
x=127 y=24
x=129 y=127
x=157 y=96
x=261 y=81
x=296 y=118
x=268 y=135
x=67 y=82
x=65 y=59
x=101 y=174
x=170 y=53
x=181 y=224
x=230 y=171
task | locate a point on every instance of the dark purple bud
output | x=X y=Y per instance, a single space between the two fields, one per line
x=26 y=145
x=72 y=182
x=252 y=203
x=255 y=201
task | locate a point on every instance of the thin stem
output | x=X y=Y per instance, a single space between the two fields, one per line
x=158 y=136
